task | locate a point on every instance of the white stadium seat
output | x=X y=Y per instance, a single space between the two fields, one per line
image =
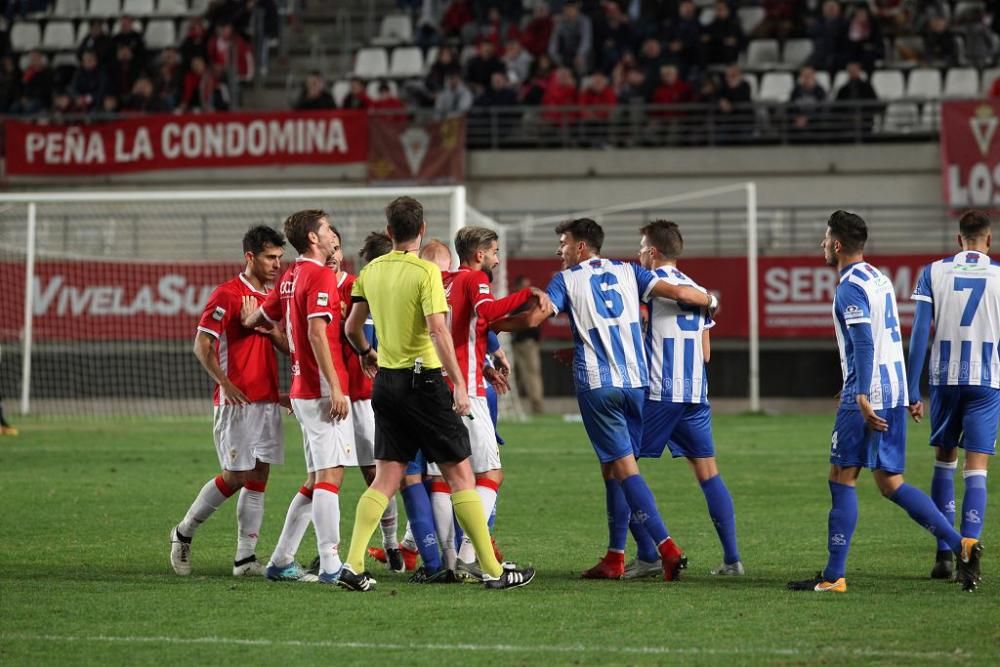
x=823 y=81
x=395 y=29
x=989 y=76
x=340 y=90
x=172 y=8
x=160 y=34
x=432 y=54
x=706 y=16
x=100 y=8
x=751 y=80
x=961 y=82
x=371 y=63
x=750 y=18
x=762 y=53
x=65 y=60
x=901 y=118
x=840 y=78
x=776 y=86
x=406 y=61
x=924 y=82
x=796 y=52
x=59 y=35
x=373 y=86
x=117 y=28
x=888 y=84
x=25 y=35
x=69 y=9
x=137 y=7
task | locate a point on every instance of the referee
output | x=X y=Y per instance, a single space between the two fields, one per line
x=414 y=410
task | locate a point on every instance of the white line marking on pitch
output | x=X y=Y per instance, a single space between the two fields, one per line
x=632 y=650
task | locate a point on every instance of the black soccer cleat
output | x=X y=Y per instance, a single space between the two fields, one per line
x=394 y=559
x=819 y=584
x=944 y=566
x=969 y=564
x=424 y=576
x=313 y=567
x=510 y=578
x=349 y=579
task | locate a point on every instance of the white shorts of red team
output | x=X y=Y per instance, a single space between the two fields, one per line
x=327 y=443
x=364 y=431
x=244 y=434
x=482 y=438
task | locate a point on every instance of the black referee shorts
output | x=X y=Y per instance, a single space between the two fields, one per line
x=415 y=413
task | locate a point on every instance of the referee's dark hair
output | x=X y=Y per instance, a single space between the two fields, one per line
x=299 y=225
x=583 y=229
x=974 y=225
x=259 y=236
x=849 y=229
x=375 y=245
x=665 y=236
x=404 y=216
x=470 y=240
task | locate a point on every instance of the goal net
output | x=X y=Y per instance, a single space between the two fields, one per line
x=103 y=291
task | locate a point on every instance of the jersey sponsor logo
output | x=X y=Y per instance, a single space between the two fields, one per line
x=322 y=299
x=853 y=312
x=218 y=313
x=838 y=540
x=484 y=289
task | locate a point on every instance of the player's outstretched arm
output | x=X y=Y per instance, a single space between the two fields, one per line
x=528 y=319
x=204 y=351
x=686 y=294
x=440 y=335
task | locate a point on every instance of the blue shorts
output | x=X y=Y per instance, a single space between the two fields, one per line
x=854 y=445
x=418 y=466
x=491 y=403
x=685 y=427
x=965 y=416
x=612 y=417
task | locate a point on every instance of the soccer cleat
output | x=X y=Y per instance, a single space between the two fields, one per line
x=819 y=584
x=378 y=553
x=730 y=570
x=510 y=578
x=969 y=564
x=395 y=558
x=408 y=555
x=249 y=567
x=672 y=559
x=612 y=566
x=643 y=568
x=180 y=553
x=8 y=430
x=353 y=581
x=468 y=572
x=496 y=550
x=314 y=566
x=944 y=566
x=425 y=576
x=328 y=577
x=291 y=572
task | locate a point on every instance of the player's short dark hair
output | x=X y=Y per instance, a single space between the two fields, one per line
x=469 y=240
x=850 y=229
x=665 y=236
x=260 y=236
x=973 y=225
x=375 y=245
x=299 y=224
x=404 y=216
x=583 y=229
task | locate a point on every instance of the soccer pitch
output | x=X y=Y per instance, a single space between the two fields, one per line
x=85 y=577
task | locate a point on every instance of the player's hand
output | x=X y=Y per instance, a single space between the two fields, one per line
x=463 y=406
x=369 y=364
x=234 y=396
x=285 y=401
x=497 y=379
x=338 y=406
x=544 y=302
x=916 y=410
x=872 y=420
x=501 y=365
x=714 y=305
x=247 y=310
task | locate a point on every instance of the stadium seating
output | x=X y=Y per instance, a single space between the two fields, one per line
x=370 y=63
x=706 y=16
x=750 y=17
x=25 y=35
x=432 y=54
x=160 y=34
x=763 y=54
x=796 y=52
x=340 y=90
x=406 y=61
x=823 y=81
x=172 y=7
x=58 y=35
x=888 y=84
x=105 y=8
x=373 y=86
x=394 y=29
x=751 y=80
x=924 y=82
x=68 y=9
x=961 y=82
x=117 y=27
x=901 y=118
x=138 y=7
x=776 y=87
x=839 y=79
x=989 y=76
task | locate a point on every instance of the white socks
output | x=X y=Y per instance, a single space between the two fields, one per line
x=249 y=515
x=326 y=522
x=296 y=521
x=389 y=525
x=444 y=522
x=210 y=498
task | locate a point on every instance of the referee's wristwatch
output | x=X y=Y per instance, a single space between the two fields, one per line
x=364 y=353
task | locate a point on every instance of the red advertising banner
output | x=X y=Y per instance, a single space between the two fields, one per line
x=164 y=141
x=970 y=154
x=795 y=293
x=431 y=152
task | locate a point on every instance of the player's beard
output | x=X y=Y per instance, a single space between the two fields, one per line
x=489 y=274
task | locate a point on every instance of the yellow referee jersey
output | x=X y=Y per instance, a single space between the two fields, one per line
x=402 y=290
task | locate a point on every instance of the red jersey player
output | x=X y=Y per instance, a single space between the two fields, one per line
x=247 y=418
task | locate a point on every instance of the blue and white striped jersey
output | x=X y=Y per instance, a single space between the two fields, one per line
x=965 y=293
x=674 y=345
x=602 y=299
x=866 y=296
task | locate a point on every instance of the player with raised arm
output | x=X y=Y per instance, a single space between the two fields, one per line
x=610 y=373
x=676 y=413
x=870 y=428
x=308 y=304
x=246 y=418
x=959 y=297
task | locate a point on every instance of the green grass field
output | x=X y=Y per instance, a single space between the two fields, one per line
x=85 y=577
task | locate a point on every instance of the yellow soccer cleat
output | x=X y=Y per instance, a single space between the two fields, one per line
x=8 y=430
x=819 y=584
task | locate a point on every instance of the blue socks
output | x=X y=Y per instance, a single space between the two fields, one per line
x=643 y=507
x=921 y=509
x=646 y=548
x=421 y=516
x=720 y=508
x=618 y=515
x=974 y=503
x=840 y=528
x=943 y=493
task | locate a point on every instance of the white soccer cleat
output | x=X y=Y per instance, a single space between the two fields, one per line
x=641 y=568
x=249 y=567
x=730 y=570
x=180 y=553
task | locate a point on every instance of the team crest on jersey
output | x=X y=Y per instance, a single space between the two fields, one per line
x=322 y=299
x=484 y=289
x=219 y=313
x=852 y=311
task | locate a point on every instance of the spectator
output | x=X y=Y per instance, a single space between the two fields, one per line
x=455 y=98
x=806 y=103
x=517 y=61
x=314 y=94
x=893 y=16
x=497 y=30
x=62 y=106
x=434 y=81
x=940 y=46
x=782 y=19
x=36 y=86
x=671 y=89
x=169 y=78
x=561 y=92
x=528 y=360
x=613 y=37
x=597 y=100
x=684 y=39
x=649 y=16
x=632 y=90
x=98 y=41
x=10 y=83
x=734 y=103
x=829 y=36
x=391 y=108
x=227 y=49
x=357 y=97
x=89 y=83
x=128 y=35
x=572 y=39
x=723 y=39
x=534 y=90
x=499 y=94
x=123 y=72
x=203 y=90
x=981 y=43
x=109 y=106
x=855 y=100
x=864 y=39
x=143 y=98
x=195 y=42
x=650 y=60
x=458 y=21
x=481 y=67
x=538 y=32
